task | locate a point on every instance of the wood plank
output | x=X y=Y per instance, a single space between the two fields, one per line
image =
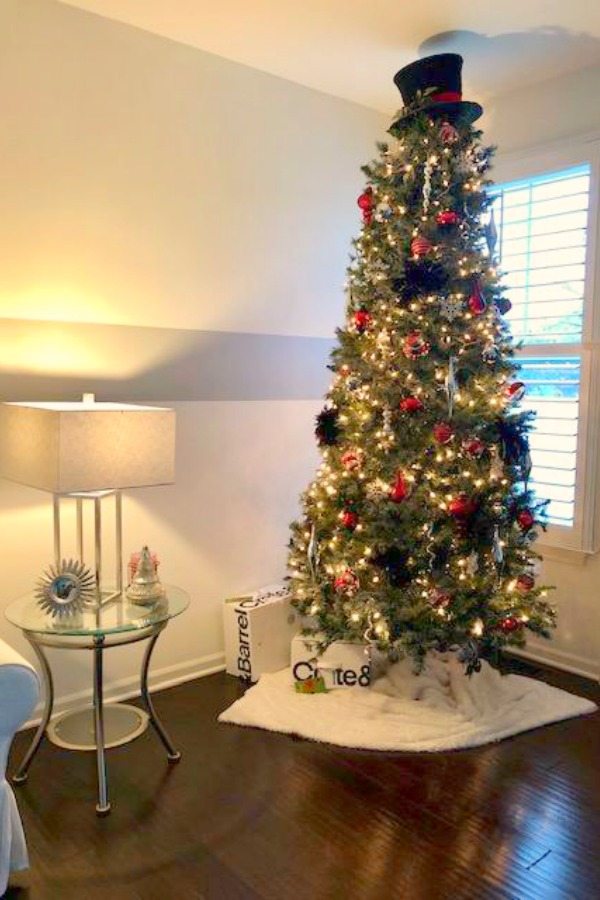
x=252 y=815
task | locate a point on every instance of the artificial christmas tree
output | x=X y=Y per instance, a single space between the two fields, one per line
x=416 y=533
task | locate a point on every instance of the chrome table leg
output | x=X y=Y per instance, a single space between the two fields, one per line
x=22 y=772
x=103 y=805
x=173 y=755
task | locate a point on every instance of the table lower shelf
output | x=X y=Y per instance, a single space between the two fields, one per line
x=74 y=730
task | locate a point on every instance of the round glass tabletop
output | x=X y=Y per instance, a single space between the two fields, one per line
x=115 y=617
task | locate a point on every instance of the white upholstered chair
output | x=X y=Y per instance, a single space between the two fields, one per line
x=19 y=693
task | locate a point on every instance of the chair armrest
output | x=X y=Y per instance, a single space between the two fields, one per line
x=19 y=690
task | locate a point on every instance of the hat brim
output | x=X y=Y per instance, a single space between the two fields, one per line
x=464 y=112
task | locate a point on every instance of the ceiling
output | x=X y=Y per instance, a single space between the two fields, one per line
x=352 y=48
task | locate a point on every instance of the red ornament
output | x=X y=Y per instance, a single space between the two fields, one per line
x=514 y=391
x=439 y=598
x=476 y=301
x=349 y=519
x=473 y=446
x=411 y=405
x=415 y=346
x=447 y=217
x=366 y=200
x=346 y=582
x=400 y=490
x=448 y=133
x=526 y=519
x=510 y=624
x=362 y=320
x=367 y=217
x=525 y=583
x=353 y=459
x=443 y=433
x=420 y=246
x=462 y=506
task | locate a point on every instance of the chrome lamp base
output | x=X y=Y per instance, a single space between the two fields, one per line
x=103 y=594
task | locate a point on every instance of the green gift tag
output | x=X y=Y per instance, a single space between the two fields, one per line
x=314 y=685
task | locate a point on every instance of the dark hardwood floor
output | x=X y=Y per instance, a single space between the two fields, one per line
x=249 y=814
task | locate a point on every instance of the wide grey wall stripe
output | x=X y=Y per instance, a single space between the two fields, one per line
x=58 y=360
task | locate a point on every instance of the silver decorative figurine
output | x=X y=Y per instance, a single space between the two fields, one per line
x=145 y=588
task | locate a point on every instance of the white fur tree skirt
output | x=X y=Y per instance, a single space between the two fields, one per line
x=441 y=709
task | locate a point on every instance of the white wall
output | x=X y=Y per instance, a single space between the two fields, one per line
x=539 y=114
x=558 y=112
x=145 y=183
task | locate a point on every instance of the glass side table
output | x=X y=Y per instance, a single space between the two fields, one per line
x=97 y=727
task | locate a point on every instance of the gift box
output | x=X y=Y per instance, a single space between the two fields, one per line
x=343 y=664
x=258 y=630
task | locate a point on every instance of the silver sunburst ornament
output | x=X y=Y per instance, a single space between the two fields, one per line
x=64 y=588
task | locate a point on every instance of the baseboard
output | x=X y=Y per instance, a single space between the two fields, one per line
x=550 y=656
x=126 y=688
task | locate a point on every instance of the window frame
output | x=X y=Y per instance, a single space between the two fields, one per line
x=583 y=536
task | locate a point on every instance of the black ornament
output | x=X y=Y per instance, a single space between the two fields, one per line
x=503 y=305
x=481 y=527
x=423 y=277
x=469 y=654
x=439 y=558
x=490 y=354
x=514 y=447
x=393 y=562
x=327 y=430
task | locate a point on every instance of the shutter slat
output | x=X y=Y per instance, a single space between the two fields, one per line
x=541 y=475
x=553 y=491
x=538 y=314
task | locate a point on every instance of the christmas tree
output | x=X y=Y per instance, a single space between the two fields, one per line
x=417 y=531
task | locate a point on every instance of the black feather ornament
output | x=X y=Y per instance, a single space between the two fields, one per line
x=514 y=446
x=327 y=430
x=393 y=562
x=422 y=277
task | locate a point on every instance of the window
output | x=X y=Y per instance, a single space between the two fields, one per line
x=544 y=248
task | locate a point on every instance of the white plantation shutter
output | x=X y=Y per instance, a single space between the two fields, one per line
x=542 y=250
x=553 y=394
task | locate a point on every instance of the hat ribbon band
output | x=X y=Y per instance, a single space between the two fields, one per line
x=447 y=97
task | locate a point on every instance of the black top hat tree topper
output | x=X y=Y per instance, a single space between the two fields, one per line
x=433 y=86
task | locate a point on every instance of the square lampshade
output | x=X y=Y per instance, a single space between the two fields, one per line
x=86 y=446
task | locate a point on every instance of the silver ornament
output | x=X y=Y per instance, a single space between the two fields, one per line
x=427 y=171
x=451 y=308
x=450 y=384
x=497 y=551
x=491 y=233
x=384 y=343
x=496 y=464
x=430 y=548
x=312 y=554
x=472 y=566
x=383 y=211
x=377 y=490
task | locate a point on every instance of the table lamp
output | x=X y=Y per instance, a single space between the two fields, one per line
x=87 y=452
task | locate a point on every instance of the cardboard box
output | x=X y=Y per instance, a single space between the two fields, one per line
x=344 y=663
x=258 y=630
